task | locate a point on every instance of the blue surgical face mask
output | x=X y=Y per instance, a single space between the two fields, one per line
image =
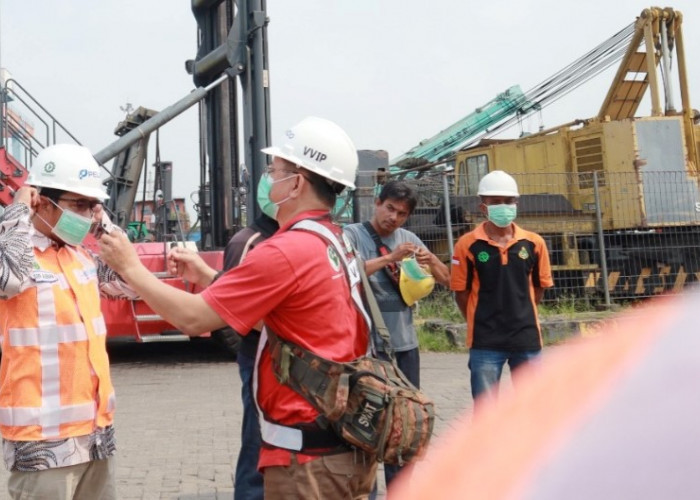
x=502 y=215
x=267 y=206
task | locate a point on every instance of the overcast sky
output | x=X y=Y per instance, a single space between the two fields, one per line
x=391 y=72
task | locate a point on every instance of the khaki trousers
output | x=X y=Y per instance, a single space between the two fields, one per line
x=345 y=476
x=89 y=481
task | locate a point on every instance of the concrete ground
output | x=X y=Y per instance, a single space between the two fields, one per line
x=178 y=417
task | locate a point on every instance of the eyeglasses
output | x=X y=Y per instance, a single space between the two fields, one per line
x=269 y=170
x=81 y=204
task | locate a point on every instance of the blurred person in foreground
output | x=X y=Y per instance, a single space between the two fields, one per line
x=610 y=417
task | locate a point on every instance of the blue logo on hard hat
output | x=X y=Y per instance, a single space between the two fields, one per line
x=87 y=173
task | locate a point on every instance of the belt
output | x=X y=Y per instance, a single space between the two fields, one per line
x=318 y=441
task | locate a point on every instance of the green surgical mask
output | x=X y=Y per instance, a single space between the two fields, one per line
x=502 y=215
x=267 y=206
x=264 y=187
x=413 y=270
x=71 y=228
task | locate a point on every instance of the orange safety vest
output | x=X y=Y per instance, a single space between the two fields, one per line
x=54 y=375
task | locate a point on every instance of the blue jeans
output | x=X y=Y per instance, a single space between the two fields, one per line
x=248 y=482
x=486 y=367
x=409 y=363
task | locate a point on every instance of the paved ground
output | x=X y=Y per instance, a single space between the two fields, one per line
x=178 y=417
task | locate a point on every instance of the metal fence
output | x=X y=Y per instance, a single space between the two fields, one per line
x=611 y=236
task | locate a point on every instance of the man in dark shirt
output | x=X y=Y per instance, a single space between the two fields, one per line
x=248 y=482
x=499 y=273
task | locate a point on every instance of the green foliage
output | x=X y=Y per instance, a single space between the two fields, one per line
x=439 y=304
x=565 y=306
x=434 y=341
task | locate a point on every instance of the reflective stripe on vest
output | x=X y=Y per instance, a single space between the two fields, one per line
x=68 y=329
x=274 y=434
x=271 y=433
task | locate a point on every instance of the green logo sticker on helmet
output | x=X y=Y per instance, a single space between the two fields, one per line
x=523 y=253
x=334 y=259
x=49 y=167
x=483 y=257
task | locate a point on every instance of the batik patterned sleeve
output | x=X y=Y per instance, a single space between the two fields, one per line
x=16 y=255
x=111 y=284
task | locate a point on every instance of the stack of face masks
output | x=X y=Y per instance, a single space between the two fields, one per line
x=413 y=270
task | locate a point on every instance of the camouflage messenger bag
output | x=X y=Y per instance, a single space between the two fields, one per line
x=368 y=402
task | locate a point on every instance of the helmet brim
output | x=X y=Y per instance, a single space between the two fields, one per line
x=87 y=192
x=510 y=194
x=280 y=153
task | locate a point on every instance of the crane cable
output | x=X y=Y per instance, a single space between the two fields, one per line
x=562 y=82
x=572 y=76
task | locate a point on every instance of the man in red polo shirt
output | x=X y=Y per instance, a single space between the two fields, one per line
x=296 y=282
x=499 y=273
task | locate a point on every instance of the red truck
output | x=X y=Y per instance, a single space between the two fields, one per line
x=230 y=74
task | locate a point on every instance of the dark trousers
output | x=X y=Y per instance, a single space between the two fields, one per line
x=409 y=363
x=248 y=483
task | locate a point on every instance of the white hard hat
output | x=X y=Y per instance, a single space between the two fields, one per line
x=319 y=146
x=67 y=167
x=498 y=183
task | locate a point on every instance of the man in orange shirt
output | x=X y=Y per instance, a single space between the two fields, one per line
x=297 y=283
x=499 y=273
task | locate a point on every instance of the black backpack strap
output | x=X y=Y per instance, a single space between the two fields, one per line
x=392 y=269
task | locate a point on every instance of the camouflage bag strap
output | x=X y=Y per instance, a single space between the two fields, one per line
x=322 y=382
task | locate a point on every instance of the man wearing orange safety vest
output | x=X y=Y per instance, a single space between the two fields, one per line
x=56 y=396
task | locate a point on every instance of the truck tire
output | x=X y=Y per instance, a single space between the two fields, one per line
x=228 y=339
